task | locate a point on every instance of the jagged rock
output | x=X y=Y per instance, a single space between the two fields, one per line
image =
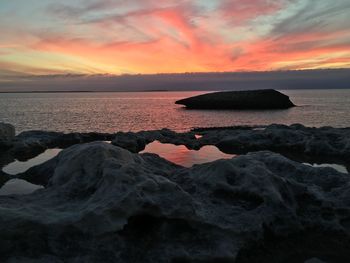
x=136 y=142
x=168 y=136
x=7 y=134
x=28 y=144
x=295 y=141
x=316 y=142
x=105 y=204
x=7 y=131
x=129 y=141
x=247 y=99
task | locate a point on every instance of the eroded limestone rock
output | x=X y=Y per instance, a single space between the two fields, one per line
x=7 y=135
x=103 y=203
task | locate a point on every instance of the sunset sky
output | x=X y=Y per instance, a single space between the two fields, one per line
x=153 y=36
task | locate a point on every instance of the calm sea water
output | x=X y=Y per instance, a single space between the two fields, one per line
x=134 y=111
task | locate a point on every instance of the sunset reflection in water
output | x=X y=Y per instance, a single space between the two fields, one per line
x=180 y=155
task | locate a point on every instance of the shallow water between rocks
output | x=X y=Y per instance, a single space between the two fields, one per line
x=181 y=155
x=18 y=186
x=178 y=154
x=17 y=167
x=338 y=167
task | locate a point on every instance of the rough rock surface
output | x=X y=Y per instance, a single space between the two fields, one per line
x=295 y=141
x=248 y=99
x=325 y=144
x=105 y=204
x=319 y=145
x=7 y=134
x=28 y=144
x=315 y=142
x=130 y=141
x=136 y=142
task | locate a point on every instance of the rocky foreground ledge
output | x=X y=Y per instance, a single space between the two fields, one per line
x=297 y=142
x=104 y=203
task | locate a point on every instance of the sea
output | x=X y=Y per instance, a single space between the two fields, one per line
x=135 y=111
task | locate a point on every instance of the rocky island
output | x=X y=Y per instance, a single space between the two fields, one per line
x=248 y=99
x=106 y=202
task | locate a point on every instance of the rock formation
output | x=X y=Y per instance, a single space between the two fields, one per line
x=130 y=141
x=324 y=143
x=7 y=134
x=102 y=203
x=305 y=144
x=250 y=99
x=31 y=143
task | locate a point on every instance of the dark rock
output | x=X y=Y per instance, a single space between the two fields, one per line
x=314 y=260
x=314 y=142
x=28 y=144
x=4 y=178
x=136 y=142
x=309 y=144
x=129 y=141
x=105 y=204
x=250 y=99
x=7 y=135
x=168 y=136
x=7 y=131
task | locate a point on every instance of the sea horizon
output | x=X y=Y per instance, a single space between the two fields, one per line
x=145 y=110
x=161 y=90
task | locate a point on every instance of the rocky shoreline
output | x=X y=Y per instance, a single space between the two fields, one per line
x=296 y=141
x=105 y=202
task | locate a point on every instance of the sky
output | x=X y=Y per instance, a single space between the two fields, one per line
x=49 y=37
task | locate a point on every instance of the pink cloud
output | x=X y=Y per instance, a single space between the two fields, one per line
x=241 y=11
x=176 y=36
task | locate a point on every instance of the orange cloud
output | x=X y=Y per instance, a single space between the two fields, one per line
x=181 y=36
x=178 y=52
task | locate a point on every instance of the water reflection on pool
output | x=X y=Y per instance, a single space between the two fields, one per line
x=17 y=167
x=338 y=167
x=18 y=187
x=179 y=154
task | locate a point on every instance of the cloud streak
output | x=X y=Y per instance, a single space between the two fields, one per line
x=116 y=37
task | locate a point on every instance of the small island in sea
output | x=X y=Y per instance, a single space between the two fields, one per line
x=101 y=198
x=247 y=99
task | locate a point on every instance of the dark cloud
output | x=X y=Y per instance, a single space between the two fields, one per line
x=319 y=79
